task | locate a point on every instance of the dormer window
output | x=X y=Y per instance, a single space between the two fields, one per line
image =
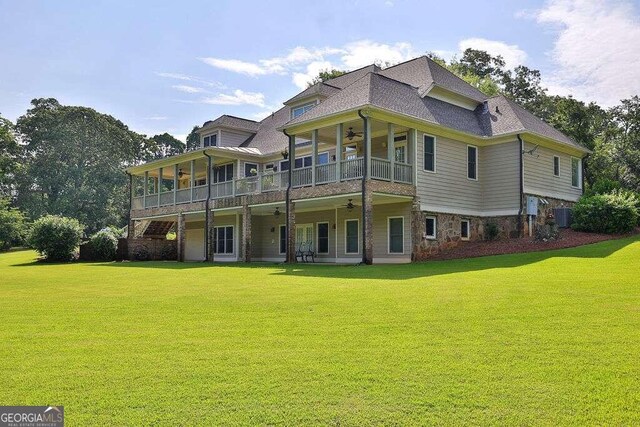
x=300 y=110
x=211 y=140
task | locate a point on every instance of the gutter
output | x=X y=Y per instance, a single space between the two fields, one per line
x=365 y=176
x=287 y=198
x=207 y=246
x=521 y=209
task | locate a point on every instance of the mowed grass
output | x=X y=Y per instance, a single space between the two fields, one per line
x=548 y=338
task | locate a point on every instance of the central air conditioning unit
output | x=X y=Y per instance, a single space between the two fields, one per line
x=563 y=217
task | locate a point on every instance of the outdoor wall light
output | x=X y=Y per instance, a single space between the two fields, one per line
x=273 y=229
x=277 y=212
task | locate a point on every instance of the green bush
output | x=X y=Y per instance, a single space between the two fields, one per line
x=56 y=237
x=104 y=244
x=602 y=186
x=606 y=213
x=492 y=231
x=12 y=226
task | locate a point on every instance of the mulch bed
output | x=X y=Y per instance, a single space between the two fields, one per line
x=568 y=239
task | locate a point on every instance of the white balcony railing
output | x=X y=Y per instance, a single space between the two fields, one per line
x=274 y=181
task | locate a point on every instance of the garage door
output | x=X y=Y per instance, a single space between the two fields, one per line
x=194 y=245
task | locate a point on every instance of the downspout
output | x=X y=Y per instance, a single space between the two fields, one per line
x=364 y=180
x=288 y=197
x=521 y=210
x=207 y=246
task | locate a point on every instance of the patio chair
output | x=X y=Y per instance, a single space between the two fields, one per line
x=310 y=253
x=300 y=252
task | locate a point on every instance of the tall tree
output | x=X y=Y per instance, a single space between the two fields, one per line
x=73 y=163
x=9 y=158
x=480 y=63
x=193 y=139
x=167 y=145
x=325 y=75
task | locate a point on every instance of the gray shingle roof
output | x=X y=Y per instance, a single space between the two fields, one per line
x=233 y=122
x=267 y=138
x=318 y=89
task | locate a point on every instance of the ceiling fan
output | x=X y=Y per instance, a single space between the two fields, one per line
x=351 y=134
x=349 y=205
x=181 y=173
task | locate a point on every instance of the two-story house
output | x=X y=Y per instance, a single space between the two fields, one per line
x=377 y=165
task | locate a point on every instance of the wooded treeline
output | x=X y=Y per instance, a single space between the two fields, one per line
x=70 y=160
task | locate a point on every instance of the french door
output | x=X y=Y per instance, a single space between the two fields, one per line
x=304 y=234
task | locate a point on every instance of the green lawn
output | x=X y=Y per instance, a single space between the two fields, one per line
x=544 y=338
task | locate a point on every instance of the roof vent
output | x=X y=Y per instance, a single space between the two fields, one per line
x=485 y=107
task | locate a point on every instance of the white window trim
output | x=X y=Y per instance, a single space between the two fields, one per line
x=345 y=236
x=217 y=135
x=244 y=169
x=318 y=237
x=280 y=227
x=435 y=150
x=554 y=166
x=435 y=227
x=306 y=104
x=579 y=186
x=389 y=218
x=344 y=149
x=476 y=164
x=468 y=229
x=233 y=233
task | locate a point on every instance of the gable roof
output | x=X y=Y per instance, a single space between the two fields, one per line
x=319 y=89
x=232 y=122
x=424 y=73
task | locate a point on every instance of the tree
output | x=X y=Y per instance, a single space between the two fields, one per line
x=56 y=237
x=582 y=122
x=167 y=145
x=193 y=139
x=12 y=226
x=9 y=158
x=523 y=85
x=482 y=64
x=73 y=163
x=621 y=142
x=325 y=75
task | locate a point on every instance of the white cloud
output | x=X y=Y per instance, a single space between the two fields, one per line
x=156 y=118
x=597 y=50
x=193 y=79
x=313 y=69
x=239 y=97
x=236 y=66
x=364 y=52
x=188 y=89
x=511 y=53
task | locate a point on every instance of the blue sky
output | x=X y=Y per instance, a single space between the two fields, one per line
x=166 y=66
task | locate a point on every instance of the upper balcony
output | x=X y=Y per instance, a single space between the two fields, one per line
x=331 y=155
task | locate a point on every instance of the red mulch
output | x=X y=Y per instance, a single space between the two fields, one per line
x=568 y=239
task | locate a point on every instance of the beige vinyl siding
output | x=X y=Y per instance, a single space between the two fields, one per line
x=500 y=177
x=194 y=238
x=233 y=138
x=539 y=178
x=449 y=187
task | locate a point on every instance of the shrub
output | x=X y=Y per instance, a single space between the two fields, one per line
x=56 y=237
x=603 y=186
x=12 y=226
x=606 y=213
x=492 y=230
x=104 y=244
x=141 y=253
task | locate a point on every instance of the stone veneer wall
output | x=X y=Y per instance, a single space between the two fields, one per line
x=448 y=227
x=158 y=249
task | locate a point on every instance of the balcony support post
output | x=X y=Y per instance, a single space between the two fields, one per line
x=414 y=156
x=391 y=150
x=314 y=155
x=339 y=151
x=159 y=185
x=367 y=196
x=175 y=183
x=192 y=177
x=145 y=189
x=289 y=205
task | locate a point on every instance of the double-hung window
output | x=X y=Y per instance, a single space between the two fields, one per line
x=464 y=229
x=351 y=236
x=472 y=162
x=283 y=239
x=323 y=237
x=429 y=153
x=576 y=172
x=430 y=231
x=223 y=239
x=556 y=166
x=223 y=173
x=211 y=140
x=396 y=235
